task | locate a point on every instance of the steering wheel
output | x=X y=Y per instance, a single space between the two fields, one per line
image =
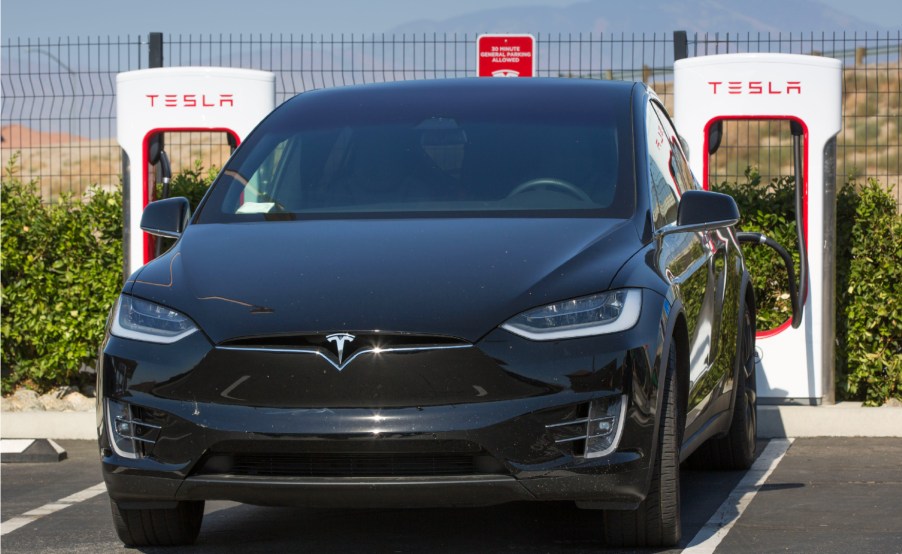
x=565 y=186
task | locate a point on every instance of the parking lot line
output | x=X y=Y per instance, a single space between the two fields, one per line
x=716 y=528
x=12 y=524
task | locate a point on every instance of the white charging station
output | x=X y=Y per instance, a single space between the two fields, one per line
x=794 y=364
x=178 y=99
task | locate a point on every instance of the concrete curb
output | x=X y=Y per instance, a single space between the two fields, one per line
x=846 y=419
x=48 y=425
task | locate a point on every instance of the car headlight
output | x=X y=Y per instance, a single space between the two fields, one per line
x=598 y=314
x=138 y=319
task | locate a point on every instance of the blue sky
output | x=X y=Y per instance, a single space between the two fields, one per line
x=60 y=18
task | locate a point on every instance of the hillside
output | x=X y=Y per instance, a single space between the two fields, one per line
x=593 y=16
x=18 y=136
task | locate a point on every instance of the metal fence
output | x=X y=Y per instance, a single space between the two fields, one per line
x=59 y=112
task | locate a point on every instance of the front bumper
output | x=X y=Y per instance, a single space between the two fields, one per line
x=514 y=457
x=506 y=439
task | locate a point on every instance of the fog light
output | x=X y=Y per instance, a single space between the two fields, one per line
x=605 y=425
x=127 y=431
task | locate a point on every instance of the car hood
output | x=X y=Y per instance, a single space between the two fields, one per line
x=452 y=277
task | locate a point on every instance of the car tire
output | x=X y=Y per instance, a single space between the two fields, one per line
x=158 y=527
x=738 y=448
x=656 y=522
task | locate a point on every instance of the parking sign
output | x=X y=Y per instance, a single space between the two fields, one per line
x=506 y=55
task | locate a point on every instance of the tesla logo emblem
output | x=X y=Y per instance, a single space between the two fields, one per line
x=757 y=87
x=340 y=339
x=191 y=100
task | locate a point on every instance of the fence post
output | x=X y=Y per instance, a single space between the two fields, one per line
x=680 y=45
x=154 y=59
x=155 y=50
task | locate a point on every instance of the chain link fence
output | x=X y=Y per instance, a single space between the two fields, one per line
x=59 y=108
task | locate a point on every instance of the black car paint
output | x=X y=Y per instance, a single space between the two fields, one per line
x=219 y=275
x=476 y=272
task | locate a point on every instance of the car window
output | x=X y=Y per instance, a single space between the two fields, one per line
x=678 y=166
x=440 y=163
x=257 y=193
x=664 y=193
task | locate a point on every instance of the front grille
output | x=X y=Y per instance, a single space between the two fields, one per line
x=383 y=341
x=349 y=465
x=340 y=349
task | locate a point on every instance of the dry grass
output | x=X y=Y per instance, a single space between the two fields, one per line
x=76 y=165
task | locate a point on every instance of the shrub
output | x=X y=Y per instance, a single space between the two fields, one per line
x=868 y=277
x=61 y=271
x=869 y=296
x=768 y=209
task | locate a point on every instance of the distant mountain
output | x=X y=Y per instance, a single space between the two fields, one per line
x=616 y=16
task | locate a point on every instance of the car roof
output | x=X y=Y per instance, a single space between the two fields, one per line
x=534 y=96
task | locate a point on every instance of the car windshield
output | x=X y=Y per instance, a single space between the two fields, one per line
x=438 y=162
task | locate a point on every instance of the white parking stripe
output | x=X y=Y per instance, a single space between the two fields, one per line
x=86 y=494
x=716 y=529
x=12 y=524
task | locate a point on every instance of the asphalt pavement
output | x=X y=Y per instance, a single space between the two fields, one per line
x=810 y=495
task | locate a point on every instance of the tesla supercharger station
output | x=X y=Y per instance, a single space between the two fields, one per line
x=150 y=102
x=794 y=365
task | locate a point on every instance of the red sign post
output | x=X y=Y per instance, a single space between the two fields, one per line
x=506 y=55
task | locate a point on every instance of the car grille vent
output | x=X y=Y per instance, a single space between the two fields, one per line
x=350 y=465
x=572 y=431
x=140 y=426
x=593 y=429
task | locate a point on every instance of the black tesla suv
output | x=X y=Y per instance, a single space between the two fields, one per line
x=460 y=292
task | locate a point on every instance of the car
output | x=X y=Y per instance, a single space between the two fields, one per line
x=458 y=292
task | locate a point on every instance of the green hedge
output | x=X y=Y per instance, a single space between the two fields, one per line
x=868 y=278
x=869 y=295
x=61 y=269
x=61 y=272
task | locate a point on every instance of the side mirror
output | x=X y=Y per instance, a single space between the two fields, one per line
x=166 y=218
x=702 y=210
x=710 y=209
